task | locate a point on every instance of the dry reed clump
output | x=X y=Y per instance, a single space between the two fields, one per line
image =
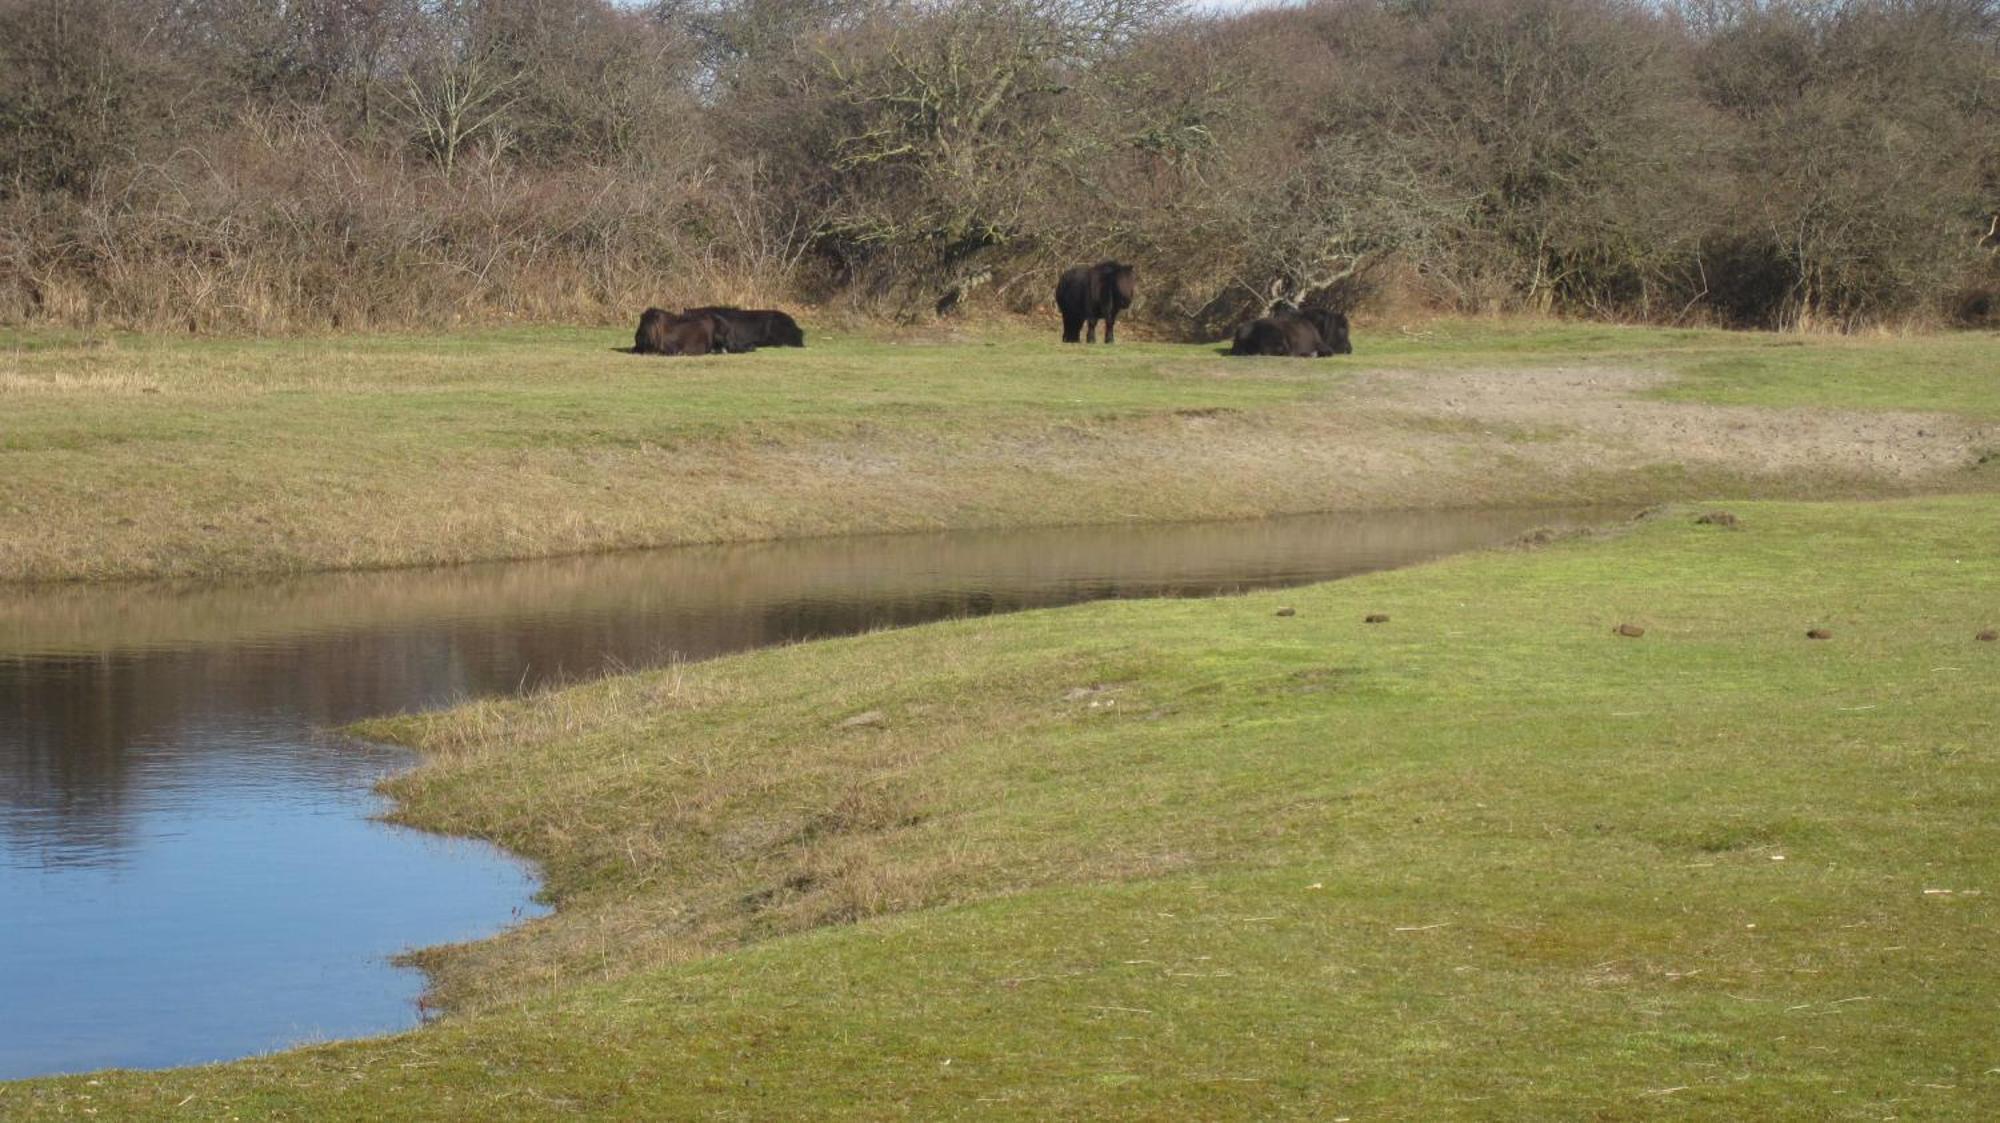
x=554 y=712
x=363 y=241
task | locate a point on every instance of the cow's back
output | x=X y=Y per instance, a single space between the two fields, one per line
x=777 y=329
x=1289 y=336
x=1073 y=289
x=692 y=335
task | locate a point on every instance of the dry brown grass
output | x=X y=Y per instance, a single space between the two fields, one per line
x=148 y=458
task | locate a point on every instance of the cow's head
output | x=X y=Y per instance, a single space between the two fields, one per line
x=1121 y=283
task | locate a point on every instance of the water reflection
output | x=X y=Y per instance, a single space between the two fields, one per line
x=189 y=872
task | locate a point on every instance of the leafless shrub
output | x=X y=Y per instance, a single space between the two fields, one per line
x=408 y=162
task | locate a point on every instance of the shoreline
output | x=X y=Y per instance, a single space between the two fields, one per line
x=1194 y=808
x=1278 y=549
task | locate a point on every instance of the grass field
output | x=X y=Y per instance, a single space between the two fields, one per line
x=1193 y=859
x=126 y=456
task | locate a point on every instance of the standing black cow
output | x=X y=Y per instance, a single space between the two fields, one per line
x=755 y=327
x=1089 y=293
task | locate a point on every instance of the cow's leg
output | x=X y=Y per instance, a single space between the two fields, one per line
x=1072 y=327
x=1110 y=321
x=1090 y=332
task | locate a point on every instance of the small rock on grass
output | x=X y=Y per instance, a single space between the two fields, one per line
x=1717 y=518
x=861 y=720
x=1818 y=633
x=1288 y=610
x=1987 y=636
x=1375 y=618
x=1630 y=631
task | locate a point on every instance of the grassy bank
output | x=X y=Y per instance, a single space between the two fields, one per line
x=1197 y=859
x=125 y=456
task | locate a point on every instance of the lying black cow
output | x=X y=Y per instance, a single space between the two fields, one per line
x=1332 y=330
x=663 y=333
x=751 y=328
x=1277 y=335
x=1089 y=293
x=1295 y=334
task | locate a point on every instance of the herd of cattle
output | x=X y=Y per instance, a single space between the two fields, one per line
x=1089 y=293
x=1085 y=294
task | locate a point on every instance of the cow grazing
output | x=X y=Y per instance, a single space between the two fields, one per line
x=663 y=333
x=755 y=327
x=1089 y=293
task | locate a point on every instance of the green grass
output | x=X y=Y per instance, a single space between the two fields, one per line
x=1950 y=373
x=137 y=456
x=1191 y=859
x=1955 y=372
x=158 y=457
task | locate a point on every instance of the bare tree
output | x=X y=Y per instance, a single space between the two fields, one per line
x=451 y=102
x=74 y=95
x=251 y=163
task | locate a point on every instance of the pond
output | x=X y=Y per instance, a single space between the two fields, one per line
x=191 y=868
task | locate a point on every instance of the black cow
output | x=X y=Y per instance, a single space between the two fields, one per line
x=651 y=338
x=663 y=333
x=755 y=327
x=1089 y=293
x=1277 y=335
x=733 y=336
x=1332 y=327
x=1295 y=334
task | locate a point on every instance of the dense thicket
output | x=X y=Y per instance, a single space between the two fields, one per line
x=265 y=165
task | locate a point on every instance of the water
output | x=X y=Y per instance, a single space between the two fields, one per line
x=191 y=871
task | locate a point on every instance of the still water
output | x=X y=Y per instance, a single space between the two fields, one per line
x=190 y=868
